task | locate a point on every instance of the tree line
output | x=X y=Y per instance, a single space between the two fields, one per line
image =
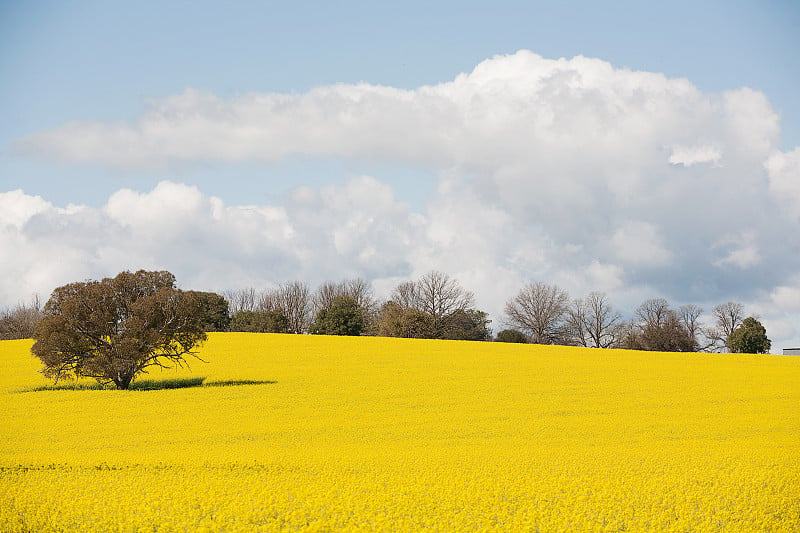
x=436 y=306
x=544 y=314
x=116 y=328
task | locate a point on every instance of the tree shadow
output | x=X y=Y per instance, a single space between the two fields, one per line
x=236 y=382
x=152 y=384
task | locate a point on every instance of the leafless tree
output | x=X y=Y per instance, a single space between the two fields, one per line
x=728 y=317
x=658 y=327
x=594 y=323
x=241 y=300
x=440 y=296
x=267 y=301
x=539 y=310
x=293 y=299
x=434 y=306
x=361 y=291
x=406 y=295
x=653 y=313
x=690 y=318
x=20 y=322
x=325 y=295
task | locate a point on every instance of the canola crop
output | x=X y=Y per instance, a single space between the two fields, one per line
x=315 y=433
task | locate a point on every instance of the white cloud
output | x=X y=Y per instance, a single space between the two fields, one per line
x=16 y=208
x=568 y=171
x=356 y=229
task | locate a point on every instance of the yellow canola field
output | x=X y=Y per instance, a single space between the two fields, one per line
x=374 y=434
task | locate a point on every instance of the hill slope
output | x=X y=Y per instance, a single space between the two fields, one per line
x=397 y=434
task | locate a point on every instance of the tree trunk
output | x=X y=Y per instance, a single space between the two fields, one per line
x=123 y=382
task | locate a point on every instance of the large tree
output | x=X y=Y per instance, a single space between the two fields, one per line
x=114 y=329
x=539 y=310
x=749 y=337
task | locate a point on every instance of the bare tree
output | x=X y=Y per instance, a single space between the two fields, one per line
x=689 y=315
x=361 y=291
x=658 y=327
x=434 y=306
x=406 y=295
x=539 y=310
x=325 y=295
x=241 y=300
x=653 y=313
x=267 y=301
x=577 y=330
x=293 y=299
x=20 y=322
x=594 y=323
x=728 y=317
x=440 y=296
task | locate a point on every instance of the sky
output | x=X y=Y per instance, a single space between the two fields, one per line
x=641 y=149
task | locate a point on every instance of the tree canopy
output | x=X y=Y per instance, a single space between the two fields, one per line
x=343 y=316
x=114 y=329
x=749 y=337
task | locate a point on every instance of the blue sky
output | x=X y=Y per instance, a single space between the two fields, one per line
x=70 y=69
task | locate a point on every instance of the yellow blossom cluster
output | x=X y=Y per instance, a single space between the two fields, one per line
x=316 y=433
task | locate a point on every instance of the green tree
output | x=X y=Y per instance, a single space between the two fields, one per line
x=343 y=316
x=213 y=311
x=114 y=329
x=511 y=335
x=468 y=325
x=396 y=320
x=259 y=322
x=749 y=337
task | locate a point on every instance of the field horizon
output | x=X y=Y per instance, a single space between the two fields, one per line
x=317 y=433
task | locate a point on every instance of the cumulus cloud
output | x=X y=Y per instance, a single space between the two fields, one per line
x=356 y=229
x=569 y=171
